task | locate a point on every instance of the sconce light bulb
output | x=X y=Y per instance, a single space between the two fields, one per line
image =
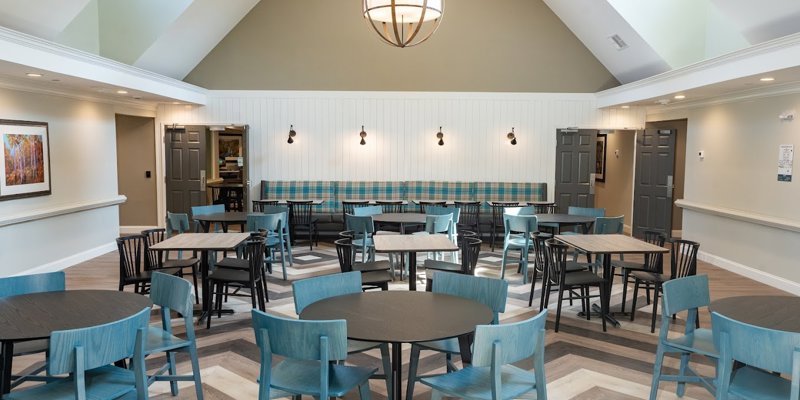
x=441 y=142
x=363 y=142
x=290 y=141
x=514 y=142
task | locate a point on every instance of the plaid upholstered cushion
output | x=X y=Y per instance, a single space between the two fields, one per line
x=510 y=191
x=354 y=190
x=289 y=190
x=430 y=190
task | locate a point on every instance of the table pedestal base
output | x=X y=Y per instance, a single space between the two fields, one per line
x=597 y=311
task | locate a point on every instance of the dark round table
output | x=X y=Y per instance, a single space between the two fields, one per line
x=401 y=219
x=36 y=315
x=400 y=317
x=773 y=312
x=223 y=218
x=566 y=220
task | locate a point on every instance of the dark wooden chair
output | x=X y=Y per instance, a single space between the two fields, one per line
x=498 y=208
x=545 y=208
x=421 y=205
x=653 y=262
x=391 y=206
x=349 y=206
x=567 y=282
x=158 y=260
x=223 y=279
x=470 y=216
x=133 y=255
x=683 y=262
x=258 y=205
x=374 y=274
x=301 y=215
x=540 y=267
x=470 y=248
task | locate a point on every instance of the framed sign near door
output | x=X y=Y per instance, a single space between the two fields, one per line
x=25 y=167
x=600 y=158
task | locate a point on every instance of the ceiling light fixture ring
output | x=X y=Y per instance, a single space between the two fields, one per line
x=389 y=19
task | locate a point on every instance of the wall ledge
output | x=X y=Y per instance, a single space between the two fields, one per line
x=741 y=215
x=18 y=218
x=749 y=272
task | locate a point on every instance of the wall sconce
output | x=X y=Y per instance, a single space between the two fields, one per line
x=512 y=137
x=440 y=136
x=292 y=134
x=363 y=134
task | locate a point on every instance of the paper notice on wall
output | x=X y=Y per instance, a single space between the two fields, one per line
x=785 y=159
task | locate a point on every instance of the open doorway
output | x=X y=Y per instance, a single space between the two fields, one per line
x=136 y=165
x=614 y=185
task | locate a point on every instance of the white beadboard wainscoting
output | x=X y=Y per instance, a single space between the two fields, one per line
x=401 y=133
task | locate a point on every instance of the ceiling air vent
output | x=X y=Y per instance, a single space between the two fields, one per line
x=617 y=42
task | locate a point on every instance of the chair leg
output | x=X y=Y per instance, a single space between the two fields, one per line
x=657 y=372
x=681 y=390
x=635 y=295
x=533 y=287
x=436 y=395
x=558 y=310
x=198 y=385
x=503 y=264
x=655 y=307
x=173 y=385
x=363 y=391
x=625 y=273
x=412 y=371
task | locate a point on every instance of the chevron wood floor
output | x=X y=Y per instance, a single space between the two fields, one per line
x=582 y=362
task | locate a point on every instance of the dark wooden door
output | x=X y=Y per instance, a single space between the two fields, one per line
x=186 y=168
x=575 y=165
x=652 y=191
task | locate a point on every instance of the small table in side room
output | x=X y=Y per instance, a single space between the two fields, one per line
x=204 y=243
x=398 y=317
x=412 y=244
x=35 y=316
x=608 y=245
x=772 y=312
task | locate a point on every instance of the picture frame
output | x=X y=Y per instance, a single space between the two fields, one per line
x=600 y=158
x=25 y=164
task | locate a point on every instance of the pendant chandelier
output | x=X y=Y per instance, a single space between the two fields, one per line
x=404 y=23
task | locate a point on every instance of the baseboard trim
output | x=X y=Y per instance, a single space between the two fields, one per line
x=69 y=261
x=750 y=272
x=134 y=229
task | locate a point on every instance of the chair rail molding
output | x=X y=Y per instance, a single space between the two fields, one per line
x=34 y=215
x=741 y=215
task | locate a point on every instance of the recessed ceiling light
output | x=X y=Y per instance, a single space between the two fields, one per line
x=680 y=97
x=767 y=79
x=626 y=106
x=33 y=75
x=122 y=92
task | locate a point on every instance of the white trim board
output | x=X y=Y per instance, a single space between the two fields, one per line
x=750 y=272
x=71 y=260
x=740 y=215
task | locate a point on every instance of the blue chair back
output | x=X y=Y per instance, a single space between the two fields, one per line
x=98 y=345
x=300 y=339
x=526 y=224
x=516 y=341
x=311 y=290
x=367 y=211
x=609 y=225
x=587 y=211
x=685 y=294
x=527 y=210
x=172 y=293
x=177 y=222
x=204 y=210
x=439 y=223
x=487 y=291
x=267 y=222
x=440 y=210
x=755 y=346
x=35 y=283
x=360 y=225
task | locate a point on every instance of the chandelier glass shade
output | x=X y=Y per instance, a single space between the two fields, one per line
x=404 y=23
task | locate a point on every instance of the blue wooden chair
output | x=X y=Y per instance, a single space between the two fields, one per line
x=24 y=284
x=518 y=230
x=456 y=218
x=311 y=290
x=272 y=225
x=204 y=210
x=606 y=226
x=363 y=228
x=309 y=350
x=173 y=294
x=584 y=212
x=367 y=211
x=438 y=224
x=491 y=375
x=684 y=294
x=488 y=291
x=86 y=354
x=285 y=228
x=760 y=350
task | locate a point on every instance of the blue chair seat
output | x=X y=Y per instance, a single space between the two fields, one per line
x=302 y=376
x=107 y=382
x=701 y=341
x=444 y=345
x=754 y=383
x=472 y=382
x=159 y=340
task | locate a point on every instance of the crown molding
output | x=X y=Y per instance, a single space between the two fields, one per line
x=735 y=97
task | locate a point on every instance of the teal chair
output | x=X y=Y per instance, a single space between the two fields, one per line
x=311 y=290
x=363 y=228
x=309 y=352
x=487 y=291
x=455 y=212
x=367 y=211
x=272 y=225
x=438 y=224
x=86 y=354
x=491 y=375
x=285 y=228
x=173 y=294
x=24 y=284
x=684 y=294
x=764 y=352
x=205 y=210
x=518 y=230
x=584 y=212
x=606 y=226
x=526 y=210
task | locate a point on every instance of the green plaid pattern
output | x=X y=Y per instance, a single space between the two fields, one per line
x=371 y=191
x=510 y=191
x=323 y=190
x=429 y=190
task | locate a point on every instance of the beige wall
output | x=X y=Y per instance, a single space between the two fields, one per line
x=615 y=193
x=680 y=165
x=481 y=46
x=135 y=155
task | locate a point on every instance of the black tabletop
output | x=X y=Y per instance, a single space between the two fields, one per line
x=565 y=219
x=401 y=218
x=401 y=316
x=36 y=315
x=773 y=312
x=230 y=216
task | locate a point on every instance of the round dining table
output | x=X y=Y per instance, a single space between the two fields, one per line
x=566 y=220
x=772 y=312
x=398 y=317
x=35 y=316
x=223 y=218
x=401 y=219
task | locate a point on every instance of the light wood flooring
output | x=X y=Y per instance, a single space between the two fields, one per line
x=582 y=362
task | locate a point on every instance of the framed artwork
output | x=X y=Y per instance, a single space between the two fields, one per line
x=600 y=158
x=25 y=170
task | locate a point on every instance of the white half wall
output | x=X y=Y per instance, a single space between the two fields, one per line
x=401 y=129
x=83 y=175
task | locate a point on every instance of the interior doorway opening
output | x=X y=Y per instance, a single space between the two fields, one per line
x=614 y=188
x=136 y=166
